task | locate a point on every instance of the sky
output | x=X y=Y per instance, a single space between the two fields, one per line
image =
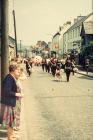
x=40 y=19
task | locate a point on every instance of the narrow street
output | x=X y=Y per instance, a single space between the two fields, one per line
x=57 y=110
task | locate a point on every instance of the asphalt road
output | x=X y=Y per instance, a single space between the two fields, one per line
x=57 y=110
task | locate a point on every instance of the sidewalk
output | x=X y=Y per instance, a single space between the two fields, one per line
x=83 y=72
x=90 y=74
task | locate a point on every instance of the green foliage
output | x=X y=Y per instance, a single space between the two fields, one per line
x=87 y=50
x=90 y=44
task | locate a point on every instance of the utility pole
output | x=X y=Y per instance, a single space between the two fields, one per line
x=20 y=48
x=92 y=6
x=15 y=31
x=4 y=38
x=4 y=45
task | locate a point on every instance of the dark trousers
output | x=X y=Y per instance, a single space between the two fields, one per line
x=29 y=72
x=43 y=67
x=67 y=75
x=87 y=69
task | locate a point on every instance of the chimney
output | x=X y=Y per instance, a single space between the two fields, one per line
x=80 y=17
x=75 y=20
x=68 y=22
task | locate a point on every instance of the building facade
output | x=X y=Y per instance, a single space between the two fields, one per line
x=86 y=33
x=55 y=43
x=63 y=29
x=71 y=38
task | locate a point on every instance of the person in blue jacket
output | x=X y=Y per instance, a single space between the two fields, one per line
x=8 y=99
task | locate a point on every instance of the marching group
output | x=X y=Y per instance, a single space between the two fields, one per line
x=54 y=67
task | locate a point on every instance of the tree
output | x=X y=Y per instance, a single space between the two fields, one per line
x=87 y=50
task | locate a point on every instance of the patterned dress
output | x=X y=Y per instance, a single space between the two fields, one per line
x=18 y=105
x=8 y=117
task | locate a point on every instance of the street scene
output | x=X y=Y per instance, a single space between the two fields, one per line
x=51 y=110
x=46 y=73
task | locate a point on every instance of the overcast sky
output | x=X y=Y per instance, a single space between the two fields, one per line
x=40 y=19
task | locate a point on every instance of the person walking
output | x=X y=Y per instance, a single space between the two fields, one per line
x=68 y=67
x=58 y=74
x=28 y=68
x=87 y=65
x=43 y=64
x=73 y=67
x=8 y=99
x=53 y=68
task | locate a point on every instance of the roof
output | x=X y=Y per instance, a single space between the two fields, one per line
x=56 y=34
x=88 y=27
x=79 y=22
x=11 y=42
x=11 y=38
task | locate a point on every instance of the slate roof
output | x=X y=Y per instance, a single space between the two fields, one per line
x=11 y=42
x=88 y=27
x=56 y=34
x=79 y=22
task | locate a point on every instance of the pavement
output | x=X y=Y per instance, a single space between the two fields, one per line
x=23 y=123
x=90 y=74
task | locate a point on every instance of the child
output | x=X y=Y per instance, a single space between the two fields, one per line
x=58 y=74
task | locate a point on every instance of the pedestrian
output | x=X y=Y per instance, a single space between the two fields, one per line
x=73 y=67
x=43 y=64
x=58 y=73
x=53 y=67
x=8 y=99
x=68 y=67
x=48 y=65
x=87 y=65
x=28 y=68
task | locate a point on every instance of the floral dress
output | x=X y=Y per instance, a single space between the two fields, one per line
x=8 y=116
x=18 y=105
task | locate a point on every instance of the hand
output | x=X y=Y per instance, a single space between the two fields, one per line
x=22 y=95
x=19 y=95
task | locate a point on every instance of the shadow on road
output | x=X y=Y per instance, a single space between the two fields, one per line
x=58 y=81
